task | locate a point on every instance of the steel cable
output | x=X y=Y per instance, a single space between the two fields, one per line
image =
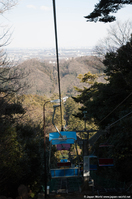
x=57 y=57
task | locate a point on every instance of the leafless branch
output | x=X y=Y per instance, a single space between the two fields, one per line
x=7 y=5
x=118 y=34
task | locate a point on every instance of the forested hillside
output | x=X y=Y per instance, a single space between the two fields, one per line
x=109 y=106
x=106 y=102
x=42 y=76
x=21 y=118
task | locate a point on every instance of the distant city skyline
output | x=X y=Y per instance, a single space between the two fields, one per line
x=20 y=55
x=32 y=24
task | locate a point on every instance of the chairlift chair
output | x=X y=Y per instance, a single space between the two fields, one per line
x=93 y=162
x=68 y=137
x=62 y=138
x=105 y=162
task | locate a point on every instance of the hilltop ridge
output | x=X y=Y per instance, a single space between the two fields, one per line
x=42 y=78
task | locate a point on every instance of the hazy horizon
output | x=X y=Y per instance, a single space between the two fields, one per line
x=32 y=24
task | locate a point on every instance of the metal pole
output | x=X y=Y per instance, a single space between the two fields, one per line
x=88 y=141
x=57 y=57
x=86 y=155
x=84 y=112
x=45 y=168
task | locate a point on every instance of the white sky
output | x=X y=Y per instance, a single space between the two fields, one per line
x=32 y=23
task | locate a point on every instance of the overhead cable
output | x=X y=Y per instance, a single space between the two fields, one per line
x=57 y=57
x=119 y=119
x=115 y=108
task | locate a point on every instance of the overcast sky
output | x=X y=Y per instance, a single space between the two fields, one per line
x=32 y=23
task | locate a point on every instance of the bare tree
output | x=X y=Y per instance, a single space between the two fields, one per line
x=10 y=74
x=118 y=34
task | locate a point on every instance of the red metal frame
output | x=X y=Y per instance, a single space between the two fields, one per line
x=106 y=162
x=63 y=164
x=105 y=145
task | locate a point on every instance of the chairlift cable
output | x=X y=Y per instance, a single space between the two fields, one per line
x=113 y=111
x=119 y=119
x=115 y=108
x=57 y=58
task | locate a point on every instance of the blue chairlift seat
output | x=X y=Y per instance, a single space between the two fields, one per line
x=70 y=172
x=71 y=137
x=63 y=160
x=93 y=167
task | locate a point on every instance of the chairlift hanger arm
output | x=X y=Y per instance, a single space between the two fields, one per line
x=55 y=106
